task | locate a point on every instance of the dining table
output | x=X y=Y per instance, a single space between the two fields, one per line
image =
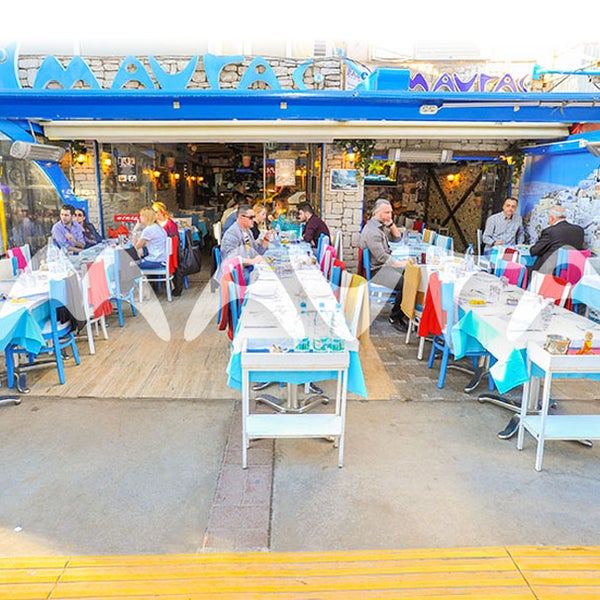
x=292 y=331
x=504 y=318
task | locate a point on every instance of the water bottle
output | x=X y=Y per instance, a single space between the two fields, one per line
x=302 y=338
x=469 y=259
x=320 y=338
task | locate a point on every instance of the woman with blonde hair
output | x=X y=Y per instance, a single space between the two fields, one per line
x=260 y=211
x=151 y=242
x=163 y=218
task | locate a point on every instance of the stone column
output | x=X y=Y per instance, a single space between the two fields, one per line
x=342 y=209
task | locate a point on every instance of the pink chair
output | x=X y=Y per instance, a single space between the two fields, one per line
x=514 y=271
x=327 y=259
x=570 y=264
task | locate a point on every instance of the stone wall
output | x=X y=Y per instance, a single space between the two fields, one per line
x=323 y=73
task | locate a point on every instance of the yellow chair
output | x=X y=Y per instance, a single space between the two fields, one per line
x=412 y=302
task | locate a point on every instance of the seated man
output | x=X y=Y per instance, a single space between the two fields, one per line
x=67 y=233
x=385 y=270
x=559 y=234
x=313 y=225
x=504 y=228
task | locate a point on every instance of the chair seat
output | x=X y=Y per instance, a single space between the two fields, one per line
x=158 y=271
x=62 y=329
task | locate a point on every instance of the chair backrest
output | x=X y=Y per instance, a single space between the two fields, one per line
x=95 y=290
x=449 y=312
x=327 y=258
x=356 y=306
x=409 y=223
x=366 y=264
x=8 y=268
x=444 y=241
x=322 y=243
x=515 y=272
x=335 y=278
x=22 y=254
x=570 y=264
x=338 y=244
x=429 y=236
x=550 y=286
x=360 y=266
x=217 y=232
x=418 y=226
x=410 y=289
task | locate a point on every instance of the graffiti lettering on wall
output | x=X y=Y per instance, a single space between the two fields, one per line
x=78 y=74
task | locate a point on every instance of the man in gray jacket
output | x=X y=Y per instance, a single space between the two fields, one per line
x=379 y=230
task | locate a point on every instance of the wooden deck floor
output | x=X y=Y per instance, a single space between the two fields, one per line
x=528 y=572
x=189 y=361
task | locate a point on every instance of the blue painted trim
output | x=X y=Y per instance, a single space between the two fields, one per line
x=99 y=189
x=290 y=105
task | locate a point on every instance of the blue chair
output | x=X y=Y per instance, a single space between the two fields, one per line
x=376 y=292
x=443 y=343
x=444 y=241
x=322 y=243
x=57 y=335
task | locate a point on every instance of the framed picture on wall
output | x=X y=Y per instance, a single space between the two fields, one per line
x=343 y=180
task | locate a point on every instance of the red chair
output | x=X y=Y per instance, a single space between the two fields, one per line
x=550 y=286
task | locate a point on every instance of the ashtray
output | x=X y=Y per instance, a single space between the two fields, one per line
x=557 y=344
x=512 y=301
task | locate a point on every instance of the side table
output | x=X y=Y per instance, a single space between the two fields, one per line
x=541 y=425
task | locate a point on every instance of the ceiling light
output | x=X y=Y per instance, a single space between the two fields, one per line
x=36 y=151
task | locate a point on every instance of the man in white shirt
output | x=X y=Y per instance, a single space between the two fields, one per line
x=504 y=228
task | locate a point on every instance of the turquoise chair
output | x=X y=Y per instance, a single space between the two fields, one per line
x=58 y=336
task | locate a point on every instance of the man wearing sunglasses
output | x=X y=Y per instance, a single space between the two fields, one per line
x=239 y=241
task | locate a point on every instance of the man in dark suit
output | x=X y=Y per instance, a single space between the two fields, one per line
x=559 y=234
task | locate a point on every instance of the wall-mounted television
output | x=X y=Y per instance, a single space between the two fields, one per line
x=381 y=172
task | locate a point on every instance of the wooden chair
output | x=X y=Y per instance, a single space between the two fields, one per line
x=121 y=276
x=377 y=292
x=412 y=303
x=447 y=311
x=570 y=264
x=355 y=303
x=444 y=241
x=96 y=301
x=8 y=268
x=162 y=274
x=515 y=272
x=550 y=286
x=338 y=244
x=58 y=336
x=22 y=255
x=429 y=236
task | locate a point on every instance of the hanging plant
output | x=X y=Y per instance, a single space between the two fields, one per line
x=363 y=151
x=516 y=159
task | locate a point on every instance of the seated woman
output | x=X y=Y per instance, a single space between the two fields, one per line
x=91 y=237
x=151 y=242
x=163 y=218
x=259 y=228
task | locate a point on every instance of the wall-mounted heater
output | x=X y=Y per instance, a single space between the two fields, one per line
x=36 y=151
x=420 y=156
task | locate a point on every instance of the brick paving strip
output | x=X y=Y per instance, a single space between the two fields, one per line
x=240 y=517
